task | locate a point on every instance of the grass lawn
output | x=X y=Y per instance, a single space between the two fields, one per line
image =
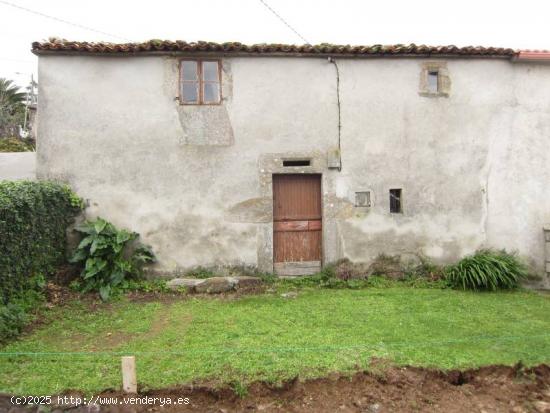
x=269 y=337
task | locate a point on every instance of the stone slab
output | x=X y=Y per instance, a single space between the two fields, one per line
x=184 y=282
x=216 y=285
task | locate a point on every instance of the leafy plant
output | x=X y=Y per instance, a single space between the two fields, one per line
x=389 y=266
x=12 y=320
x=109 y=257
x=10 y=94
x=15 y=315
x=487 y=270
x=425 y=269
x=328 y=272
x=267 y=278
x=201 y=273
x=147 y=286
x=330 y=277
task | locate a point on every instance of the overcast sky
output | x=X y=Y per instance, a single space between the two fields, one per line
x=516 y=24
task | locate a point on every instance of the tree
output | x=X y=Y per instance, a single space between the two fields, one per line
x=12 y=108
x=10 y=95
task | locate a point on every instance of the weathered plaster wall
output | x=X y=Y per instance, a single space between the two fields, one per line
x=519 y=165
x=112 y=128
x=196 y=181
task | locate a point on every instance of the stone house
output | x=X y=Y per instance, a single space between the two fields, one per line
x=288 y=157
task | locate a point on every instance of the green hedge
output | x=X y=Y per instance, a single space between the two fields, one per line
x=33 y=219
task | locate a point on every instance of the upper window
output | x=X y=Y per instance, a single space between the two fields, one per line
x=433 y=81
x=200 y=82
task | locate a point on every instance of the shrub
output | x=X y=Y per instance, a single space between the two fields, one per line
x=16 y=145
x=487 y=270
x=33 y=220
x=389 y=266
x=109 y=257
x=426 y=270
x=345 y=270
x=15 y=314
x=12 y=320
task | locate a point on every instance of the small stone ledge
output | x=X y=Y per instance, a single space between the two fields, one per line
x=213 y=285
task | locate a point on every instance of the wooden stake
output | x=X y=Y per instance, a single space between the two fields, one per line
x=129 y=381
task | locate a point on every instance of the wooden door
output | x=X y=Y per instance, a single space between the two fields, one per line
x=297 y=224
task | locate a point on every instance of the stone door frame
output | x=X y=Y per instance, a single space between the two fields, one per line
x=270 y=164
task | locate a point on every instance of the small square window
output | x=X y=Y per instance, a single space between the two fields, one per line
x=433 y=81
x=395 y=201
x=362 y=199
x=200 y=82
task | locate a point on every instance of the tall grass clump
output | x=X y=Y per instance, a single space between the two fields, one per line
x=487 y=270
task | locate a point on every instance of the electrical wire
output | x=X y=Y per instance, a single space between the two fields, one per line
x=80 y=26
x=284 y=21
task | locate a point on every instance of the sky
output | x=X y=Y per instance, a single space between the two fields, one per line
x=516 y=24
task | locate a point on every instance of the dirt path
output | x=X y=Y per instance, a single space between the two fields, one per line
x=489 y=389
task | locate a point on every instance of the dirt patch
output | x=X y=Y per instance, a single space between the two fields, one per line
x=65 y=273
x=164 y=321
x=57 y=295
x=393 y=389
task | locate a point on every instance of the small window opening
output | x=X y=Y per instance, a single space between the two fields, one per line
x=297 y=162
x=362 y=199
x=395 y=201
x=433 y=81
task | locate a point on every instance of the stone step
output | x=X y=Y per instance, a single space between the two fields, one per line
x=213 y=285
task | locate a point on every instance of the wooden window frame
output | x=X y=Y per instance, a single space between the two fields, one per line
x=200 y=81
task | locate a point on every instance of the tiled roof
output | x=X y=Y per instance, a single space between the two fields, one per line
x=166 y=46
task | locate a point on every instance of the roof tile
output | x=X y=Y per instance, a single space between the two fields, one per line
x=66 y=46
